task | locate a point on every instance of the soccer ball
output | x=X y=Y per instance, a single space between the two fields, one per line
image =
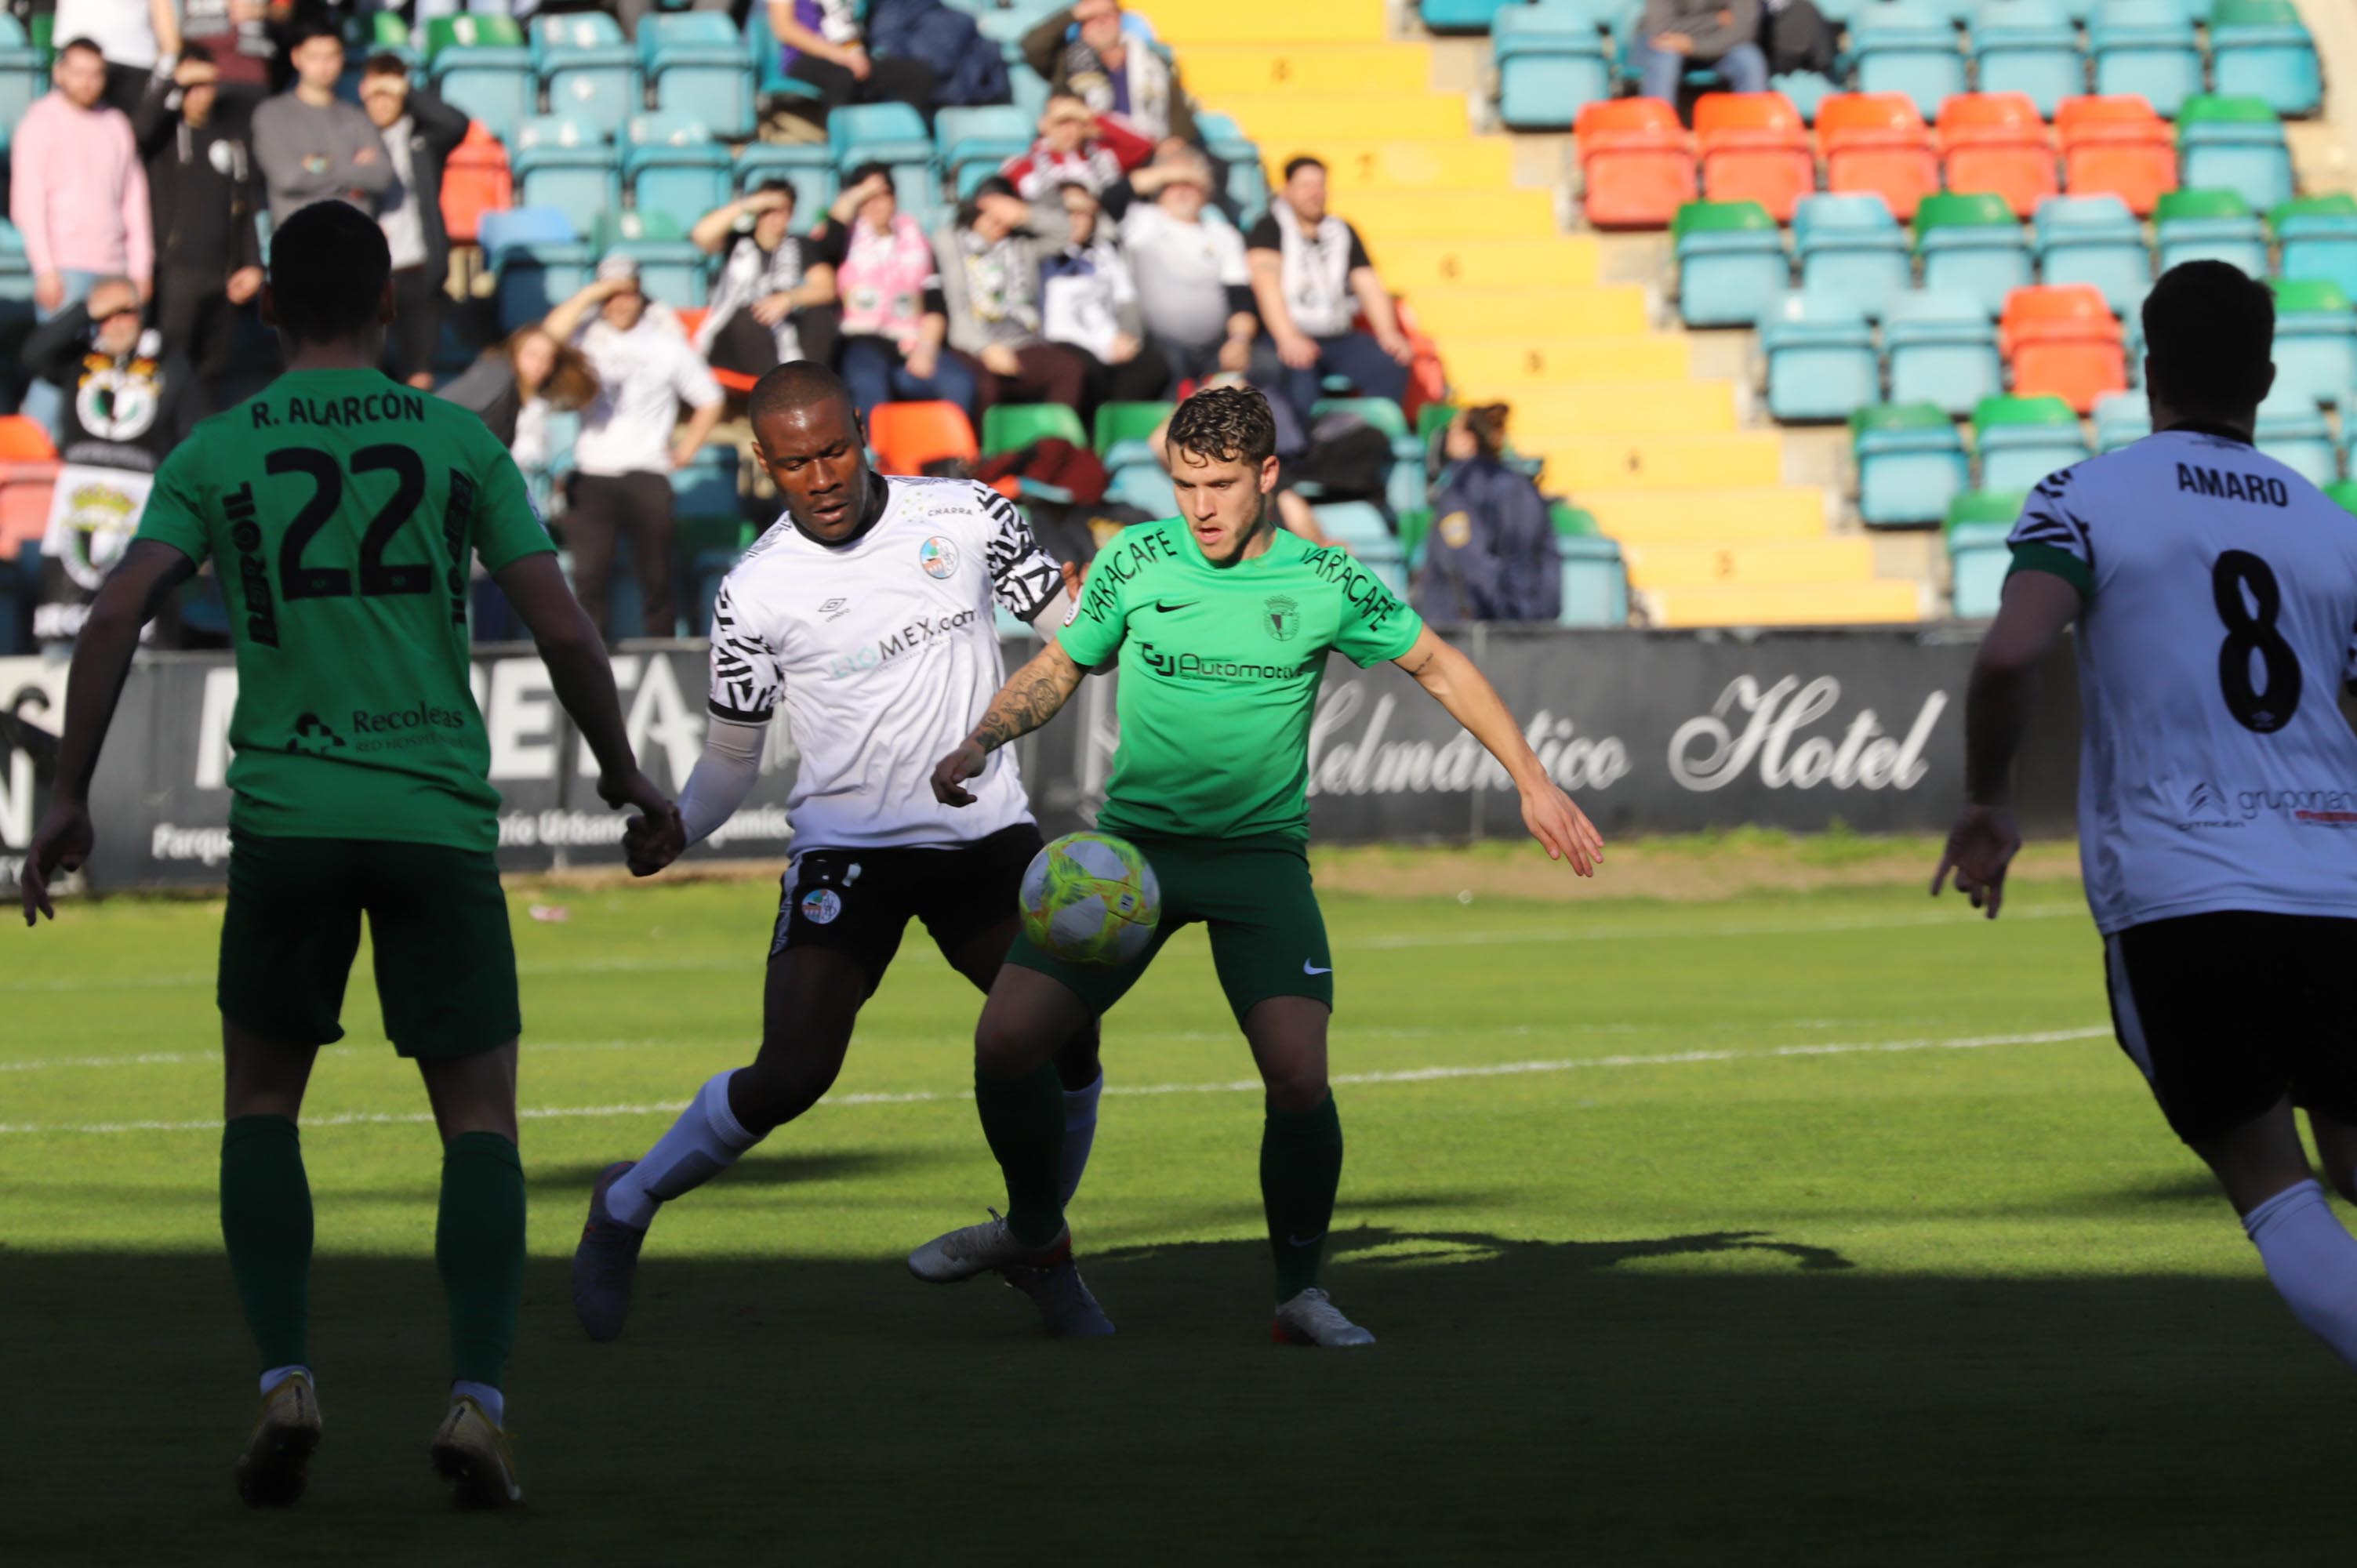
x=1091 y=898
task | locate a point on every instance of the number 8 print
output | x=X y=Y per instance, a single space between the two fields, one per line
x=2263 y=712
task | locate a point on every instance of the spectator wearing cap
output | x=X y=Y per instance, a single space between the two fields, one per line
x=821 y=43
x=1075 y=147
x=132 y=34
x=419 y=133
x=992 y=251
x=202 y=196
x=1194 y=290
x=1311 y=277
x=631 y=437
x=895 y=311
x=237 y=37
x=774 y=298
x=312 y=145
x=1089 y=301
x=1082 y=49
x=1718 y=36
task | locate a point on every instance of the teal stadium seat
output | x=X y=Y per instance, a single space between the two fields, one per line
x=1910 y=462
x=1461 y=16
x=2209 y=226
x=1942 y=350
x=1978 y=562
x=2234 y=144
x=2028 y=47
x=1146 y=487
x=2093 y=239
x=808 y=167
x=22 y=79
x=1731 y=262
x=2147 y=48
x=972 y=143
x=1806 y=89
x=1247 y=187
x=537 y=261
x=671 y=165
x=481 y=65
x=563 y=163
x=1594 y=580
x=1849 y=244
x=2292 y=430
x=1551 y=61
x=1355 y=523
x=1821 y=360
x=671 y=268
x=2319 y=239
x=770 y=82
x=2021 y=440
x=2263 y=48
x=1907 y=47
x=878 y=132
x=1030 y=91
x=2316 y=341
x=588 y=70
x=1973 y=242
x=2121 y=418
x=696 y=63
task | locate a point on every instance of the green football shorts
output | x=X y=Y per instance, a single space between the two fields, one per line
x=1268 y=938
x=446 y=974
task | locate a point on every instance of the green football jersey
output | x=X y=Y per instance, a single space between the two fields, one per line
x=1219 y=670
x=339 y=509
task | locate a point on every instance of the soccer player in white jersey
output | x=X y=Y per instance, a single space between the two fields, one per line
x=2215 y=593
x=864 y=612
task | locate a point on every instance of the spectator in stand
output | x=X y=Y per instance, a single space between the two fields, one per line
x=202 y=197
x=1112 y=72
x=516 y=383
x=822 y=45
x=1312 y=278
x=1194 y=289
x=630 y=439
x=991 y=252
x=132 y=34
x=1077 y=148
x=774 y=299
x=419 y=133
x=310 y=144
x=236 y=37
x=1088 y=301
x=1679 y=36
x=78 y=198
x=1492 y=555
x=129 y=399
x=895 y=315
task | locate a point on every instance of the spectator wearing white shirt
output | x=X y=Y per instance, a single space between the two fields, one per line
x=1194 y=289
x=630 y=439
x=1088 y=300
x=1312 y=278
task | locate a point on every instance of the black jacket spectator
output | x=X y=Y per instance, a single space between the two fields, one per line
x=203 y=191
x=1492 y=555
x=1109 y=71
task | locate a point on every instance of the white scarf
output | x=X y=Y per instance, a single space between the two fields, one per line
x=1317 y=273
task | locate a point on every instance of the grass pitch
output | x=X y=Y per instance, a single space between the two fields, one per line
x=1825 y=1226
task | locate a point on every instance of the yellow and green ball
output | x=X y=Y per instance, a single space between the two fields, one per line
x=1091 y=898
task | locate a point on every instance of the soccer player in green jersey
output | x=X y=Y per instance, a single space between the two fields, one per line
x=1222 y=624
x=339 y=509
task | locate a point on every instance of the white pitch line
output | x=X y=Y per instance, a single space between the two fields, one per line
x=1237 y=1086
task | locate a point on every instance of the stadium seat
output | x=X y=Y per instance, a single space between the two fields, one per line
x=22 y=440
x=2319 y=239
x=2116 y=146
x=475 y=181
x=695 y=62
x=1907 y=48
x=2234 y=144
x=589 y=71
x=2293 y=431
x=1820 y=355
x=529 y=277
x=1247 y=186
x=1146 y=487
x=972 y=143
x=1128 y=425
x=2093 y=239
x=1011 y=426
x=1910 y=462
x=480 y=65
x=564 y=164
x=671 y=165
x=1355 y=523
x=2021 y=440
x=1979 y=560
x=808 y=167
x=1551 y=64
x=1594 y=580
x=1463 y=16
x=1380 y=413
x=2062 y=341
x=23 y=76
x=2263 y=48
x=1754 y=149
x=1731 y=262
x=671 y=268
x=2121 y=418
x=2146 y=48
x=1851 y=246
x=1637 y=161
x=1877 y=143
x=1973 y=243
x=2030 y=47
x=1995 y=142
x=1942 y=350
x=706 y=487
x=908 y=436
x=2209 y=225
x=2342 y=493
x=878 y=132
x=1806 y=89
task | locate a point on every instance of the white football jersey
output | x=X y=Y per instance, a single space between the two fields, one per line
x=2218 y=623
x=885 y=655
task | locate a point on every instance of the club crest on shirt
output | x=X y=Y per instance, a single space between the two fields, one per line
x=938 y=556
x=821 y=906
x=1284 y=620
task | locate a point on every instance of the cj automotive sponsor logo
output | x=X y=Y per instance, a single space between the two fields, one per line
x=1755 y=730
x=1199 y=667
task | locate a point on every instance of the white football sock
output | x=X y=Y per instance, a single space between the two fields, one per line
x=277 y=1375
x=703 y=1142
x=2312 y=1262
x=1080 y=1131
x=494 y=1403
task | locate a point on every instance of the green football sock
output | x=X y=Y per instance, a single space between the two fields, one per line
x=479 y=1246
x=1300 y=1167
x=1023 y=1120
x=266 y=1218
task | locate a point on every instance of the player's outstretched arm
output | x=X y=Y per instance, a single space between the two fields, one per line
x=577 y=668
x=724 y=776
x=1035 y=694
x=2036 y=605
x=126 y=602
x=1461 y=687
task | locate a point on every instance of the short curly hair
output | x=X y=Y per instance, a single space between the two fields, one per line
x=1225 y=425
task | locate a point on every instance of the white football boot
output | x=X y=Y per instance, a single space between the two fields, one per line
x=983 y=1248
x=1311 y=1318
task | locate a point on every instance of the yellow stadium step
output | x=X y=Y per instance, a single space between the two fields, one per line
x=1598 y=311
x=1284 y=123
x=1181 y=23
x=1438 y=212
x=1567 y=259
x=1616 y=408
x=1352 y=166
x=1715 y=516
x=1781 y=563
x=1798 y=603
x=1576 y=463
x=1520 y=371
x=1213 y=70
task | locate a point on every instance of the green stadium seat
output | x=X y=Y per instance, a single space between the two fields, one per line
x=1971 y=240
x=2344 y=492
x=1987 y=507
x=1120 y=422
x=2234 y=142
x=2263 y=48
x=2209 y=225
x=1380 y=412
x=1571 y=522
x=1731 y=262
x=1011 y=426
x=2021 y=440
x=469 y=30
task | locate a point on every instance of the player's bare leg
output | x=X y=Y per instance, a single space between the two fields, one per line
x=2310 y=1259
x=1300 y=1166
x=266 y=1210
x=479 y=1239
x=2336 y=1145
x=809 y=1003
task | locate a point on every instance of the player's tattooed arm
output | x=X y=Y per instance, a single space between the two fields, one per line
x=1035 y=694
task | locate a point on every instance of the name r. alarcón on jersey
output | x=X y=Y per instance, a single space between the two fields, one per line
x=368 y=408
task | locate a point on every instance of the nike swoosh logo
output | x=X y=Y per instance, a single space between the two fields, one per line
x=1309 y=968
x=1167 y=608
x=1305 y=1241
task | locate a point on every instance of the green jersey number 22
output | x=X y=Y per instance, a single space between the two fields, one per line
x=376 y=576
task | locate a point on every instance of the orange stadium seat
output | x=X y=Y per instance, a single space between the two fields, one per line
x=1754 y=148
x=908 y=436
x=23 y=440
x=1995 y=142
x=2062 y=339
x=1876 y=141
x=2117 y=145
x=1637 y=161
x=475 y=181
x=25 y=487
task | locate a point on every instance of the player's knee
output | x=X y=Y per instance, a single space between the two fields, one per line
x=1076 y=1061
x=1295 y=1089
x=779 y=1087
x=1002 y=1047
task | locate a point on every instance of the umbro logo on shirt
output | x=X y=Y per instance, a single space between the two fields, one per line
x=835 y=609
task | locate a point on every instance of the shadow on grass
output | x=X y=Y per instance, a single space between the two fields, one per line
x=766 y=1166
x=1714 y=1396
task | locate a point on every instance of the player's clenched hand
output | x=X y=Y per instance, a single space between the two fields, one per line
x=949 y=779
x=1980 y=846
x=63 y=844
x=1563 y=828
x=655 y=837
